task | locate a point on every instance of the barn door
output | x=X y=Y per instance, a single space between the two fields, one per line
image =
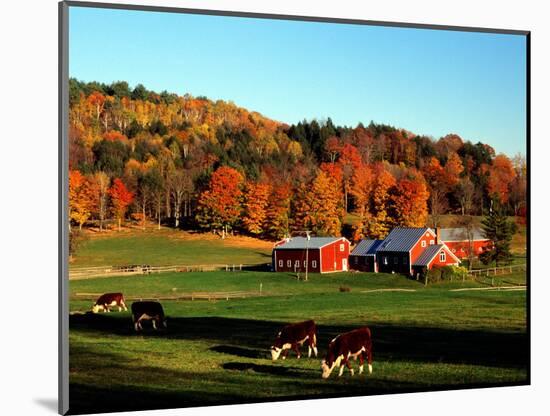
x=344 y=264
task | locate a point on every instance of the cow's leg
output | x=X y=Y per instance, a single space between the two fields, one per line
x=123 y=305
x=154 y=323
x=284 y=353
x=106 y=307
x=314 y=344
x=368 y=351
x=348 y=365
x=136 y=324
x=341 y=369
x=296 y=349
x=311 y=345
x=361 y=361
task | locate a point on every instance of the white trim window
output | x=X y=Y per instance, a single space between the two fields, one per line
x=385 y=260
x=396 y=260
x=423 y=243
x=289 y=263
x=342 y=247
x=297 y=263
x=280 y=263
x=442 y=256
x=314 y=264
x=432 y=242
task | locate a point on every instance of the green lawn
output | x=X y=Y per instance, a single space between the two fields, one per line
x=168 y=247
x=217 y=352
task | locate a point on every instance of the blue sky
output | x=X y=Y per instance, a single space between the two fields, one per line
x=430 y=82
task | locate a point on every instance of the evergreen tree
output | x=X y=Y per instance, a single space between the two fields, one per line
x=498 y=229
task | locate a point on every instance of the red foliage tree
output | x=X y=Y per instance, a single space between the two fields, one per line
x=121 y=198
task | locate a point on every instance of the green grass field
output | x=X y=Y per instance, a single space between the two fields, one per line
x=169 y=247
x=216 y=352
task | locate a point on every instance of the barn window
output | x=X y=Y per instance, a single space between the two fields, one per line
x=289 y=263
x=442 y=256
x=431 y=242
x=480 y=249
x=280 y=263
x=405 y=260
x=341 y=247
x=423 y=244
x=314 y=263
x=385 y=260
x=454 y=250
x=395 y=260
x=356 y=260
x=297 y=263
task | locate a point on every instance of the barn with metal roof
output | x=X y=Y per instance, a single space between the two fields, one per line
x=314 y=254
x=363 y=256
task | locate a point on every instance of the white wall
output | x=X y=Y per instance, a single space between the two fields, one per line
x=28 y=205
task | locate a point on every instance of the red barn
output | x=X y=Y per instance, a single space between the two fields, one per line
x=458 y=242
x=324 y=254
x=407 y=250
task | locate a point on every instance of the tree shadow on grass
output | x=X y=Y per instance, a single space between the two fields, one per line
x=107 y=381
x=240 y=351
x=248 y=338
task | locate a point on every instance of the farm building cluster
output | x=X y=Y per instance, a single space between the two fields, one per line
x=405 y=250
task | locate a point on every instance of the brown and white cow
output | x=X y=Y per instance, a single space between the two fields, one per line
x=293 y=336
x=109 y=300
x=148 y=311
x=353 y=344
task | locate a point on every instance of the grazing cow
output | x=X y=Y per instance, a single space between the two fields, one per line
x=108 y=300
x=345 y=346
x=293 y=336
x=148 y=310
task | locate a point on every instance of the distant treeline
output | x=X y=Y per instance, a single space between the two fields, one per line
x=183 y=160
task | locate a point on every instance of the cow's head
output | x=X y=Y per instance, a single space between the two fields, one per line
x=277 y=347
x=275 y=352
x=327 y=368
x=96 y=308
x=328 y=364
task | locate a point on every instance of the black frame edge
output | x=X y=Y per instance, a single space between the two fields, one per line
x=63 y=241
x=319 y=19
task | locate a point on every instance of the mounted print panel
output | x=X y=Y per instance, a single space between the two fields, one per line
x=268 y=208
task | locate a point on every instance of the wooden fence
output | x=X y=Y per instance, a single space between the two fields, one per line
x=494 y=271
x=180 y=296
x=108 y=271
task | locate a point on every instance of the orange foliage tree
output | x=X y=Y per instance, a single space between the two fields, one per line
x=501 y=176
x=121 y=198
x=380 y=222
x=410 y=201
x=361 y=191
x=82 y=197
x=219 y=206
x=255 y=204
x=278 y=211
x=325 y=207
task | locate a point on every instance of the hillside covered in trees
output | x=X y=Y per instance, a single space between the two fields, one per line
x=190 y=162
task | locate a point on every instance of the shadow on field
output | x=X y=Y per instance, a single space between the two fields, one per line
x=264 y=369
x=240 y=352
x=248 y=338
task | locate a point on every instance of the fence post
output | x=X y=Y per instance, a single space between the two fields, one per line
x=240 y=267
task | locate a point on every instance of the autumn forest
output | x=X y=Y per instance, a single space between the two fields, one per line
x=190 y=162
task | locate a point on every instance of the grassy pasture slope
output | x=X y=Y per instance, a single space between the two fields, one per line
x=217 y=352
x=169 y=247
